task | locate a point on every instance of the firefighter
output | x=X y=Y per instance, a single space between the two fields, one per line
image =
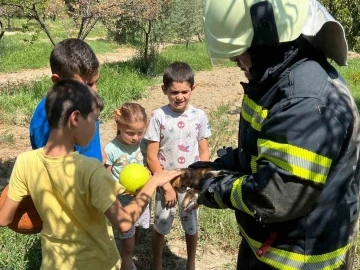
x=295 y=175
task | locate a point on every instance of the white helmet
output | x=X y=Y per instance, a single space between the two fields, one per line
x=232 y=26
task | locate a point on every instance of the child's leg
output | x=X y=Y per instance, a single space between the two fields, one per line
x=126 y=252
x=127 y=240
x=189 y=222
x=143 y=222
x=137 y=235
x=191 y=244
x=157 y=247
x=162 y=225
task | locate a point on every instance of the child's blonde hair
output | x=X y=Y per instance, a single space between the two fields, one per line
x=128 y=114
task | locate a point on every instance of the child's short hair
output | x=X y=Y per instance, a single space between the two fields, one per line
x=178 y=72
x=66 y=96
x=130 y=113
x=73 y=56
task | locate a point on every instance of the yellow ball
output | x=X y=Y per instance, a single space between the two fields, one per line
x=133 y=177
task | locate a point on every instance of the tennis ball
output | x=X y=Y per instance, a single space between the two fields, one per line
x=133 y=177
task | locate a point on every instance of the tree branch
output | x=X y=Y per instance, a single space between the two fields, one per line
x=42 y=24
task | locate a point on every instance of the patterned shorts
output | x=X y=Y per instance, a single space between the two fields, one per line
x=143 y=222
x=164 y=218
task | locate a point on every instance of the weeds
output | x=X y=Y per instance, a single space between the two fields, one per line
x=7 y=138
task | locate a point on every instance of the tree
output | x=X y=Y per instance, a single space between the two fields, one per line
x=33 y=10
x=2 y=31
x=84 y=13
x=145 y=17
x=8 y=13
x=186 y=19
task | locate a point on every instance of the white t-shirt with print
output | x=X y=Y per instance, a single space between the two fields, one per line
x=178 y=134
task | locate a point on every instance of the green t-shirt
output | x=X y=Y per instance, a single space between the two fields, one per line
x=119 y=155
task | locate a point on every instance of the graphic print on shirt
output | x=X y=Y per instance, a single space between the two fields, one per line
x=183 y=148
x=126 y=159
x=178 y=135
x=181 y=124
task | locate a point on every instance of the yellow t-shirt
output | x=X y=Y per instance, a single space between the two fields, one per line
x=71 y=194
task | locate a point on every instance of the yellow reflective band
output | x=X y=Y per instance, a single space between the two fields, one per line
x=253 y=164
x=298 y=161
x=253 y=113
x=283 y=259
x=236 y=196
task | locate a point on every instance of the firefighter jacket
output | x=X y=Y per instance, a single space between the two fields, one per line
x=297 y=204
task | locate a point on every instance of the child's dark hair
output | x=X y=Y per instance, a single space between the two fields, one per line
x=73 y=56
x=129 y=113
x=66 y=96
x=178 y=72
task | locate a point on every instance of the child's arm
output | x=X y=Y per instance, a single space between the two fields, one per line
x=152 y=157
x=108 y=168
x=204 y=151
x=7 y=211
x=108 y=161
x=155 y=166
x=124 y=218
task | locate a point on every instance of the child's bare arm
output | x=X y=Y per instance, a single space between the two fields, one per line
x=155 y=166
x=152 y=156
x=204 y=151
x=7 y=211
x=123 y=218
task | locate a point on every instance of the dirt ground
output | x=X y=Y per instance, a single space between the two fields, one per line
x=213 y=88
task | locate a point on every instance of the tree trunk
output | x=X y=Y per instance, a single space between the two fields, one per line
x=9 y=23
x=88 y=30
x=2 y=31
x=146 y=51
x=84 y=24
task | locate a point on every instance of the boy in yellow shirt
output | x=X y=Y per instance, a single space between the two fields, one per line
x=74 y=195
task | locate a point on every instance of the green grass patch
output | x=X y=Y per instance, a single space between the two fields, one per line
x=351 y=74
x=6 y=138
x=195 y=55
x=18 y=251
x=17 y=52
x=59 y=28
x=119 y=82
x=18 y=102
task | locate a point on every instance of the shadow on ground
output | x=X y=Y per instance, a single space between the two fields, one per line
x=143 y=254
x=6 y=167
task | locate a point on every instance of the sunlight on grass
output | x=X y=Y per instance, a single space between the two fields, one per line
x=18 y=251
x=18 y=53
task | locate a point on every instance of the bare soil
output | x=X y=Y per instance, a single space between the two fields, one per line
x=213 y=88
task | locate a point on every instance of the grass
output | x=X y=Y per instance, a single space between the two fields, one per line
x=195 y=55
x=17 y=53
x=31 y=49
x=119 y=82
x=351 y=74
x=6 y=138
x=58 y=29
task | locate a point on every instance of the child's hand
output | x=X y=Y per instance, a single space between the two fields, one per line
x=164 y=176
x=170 y=197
